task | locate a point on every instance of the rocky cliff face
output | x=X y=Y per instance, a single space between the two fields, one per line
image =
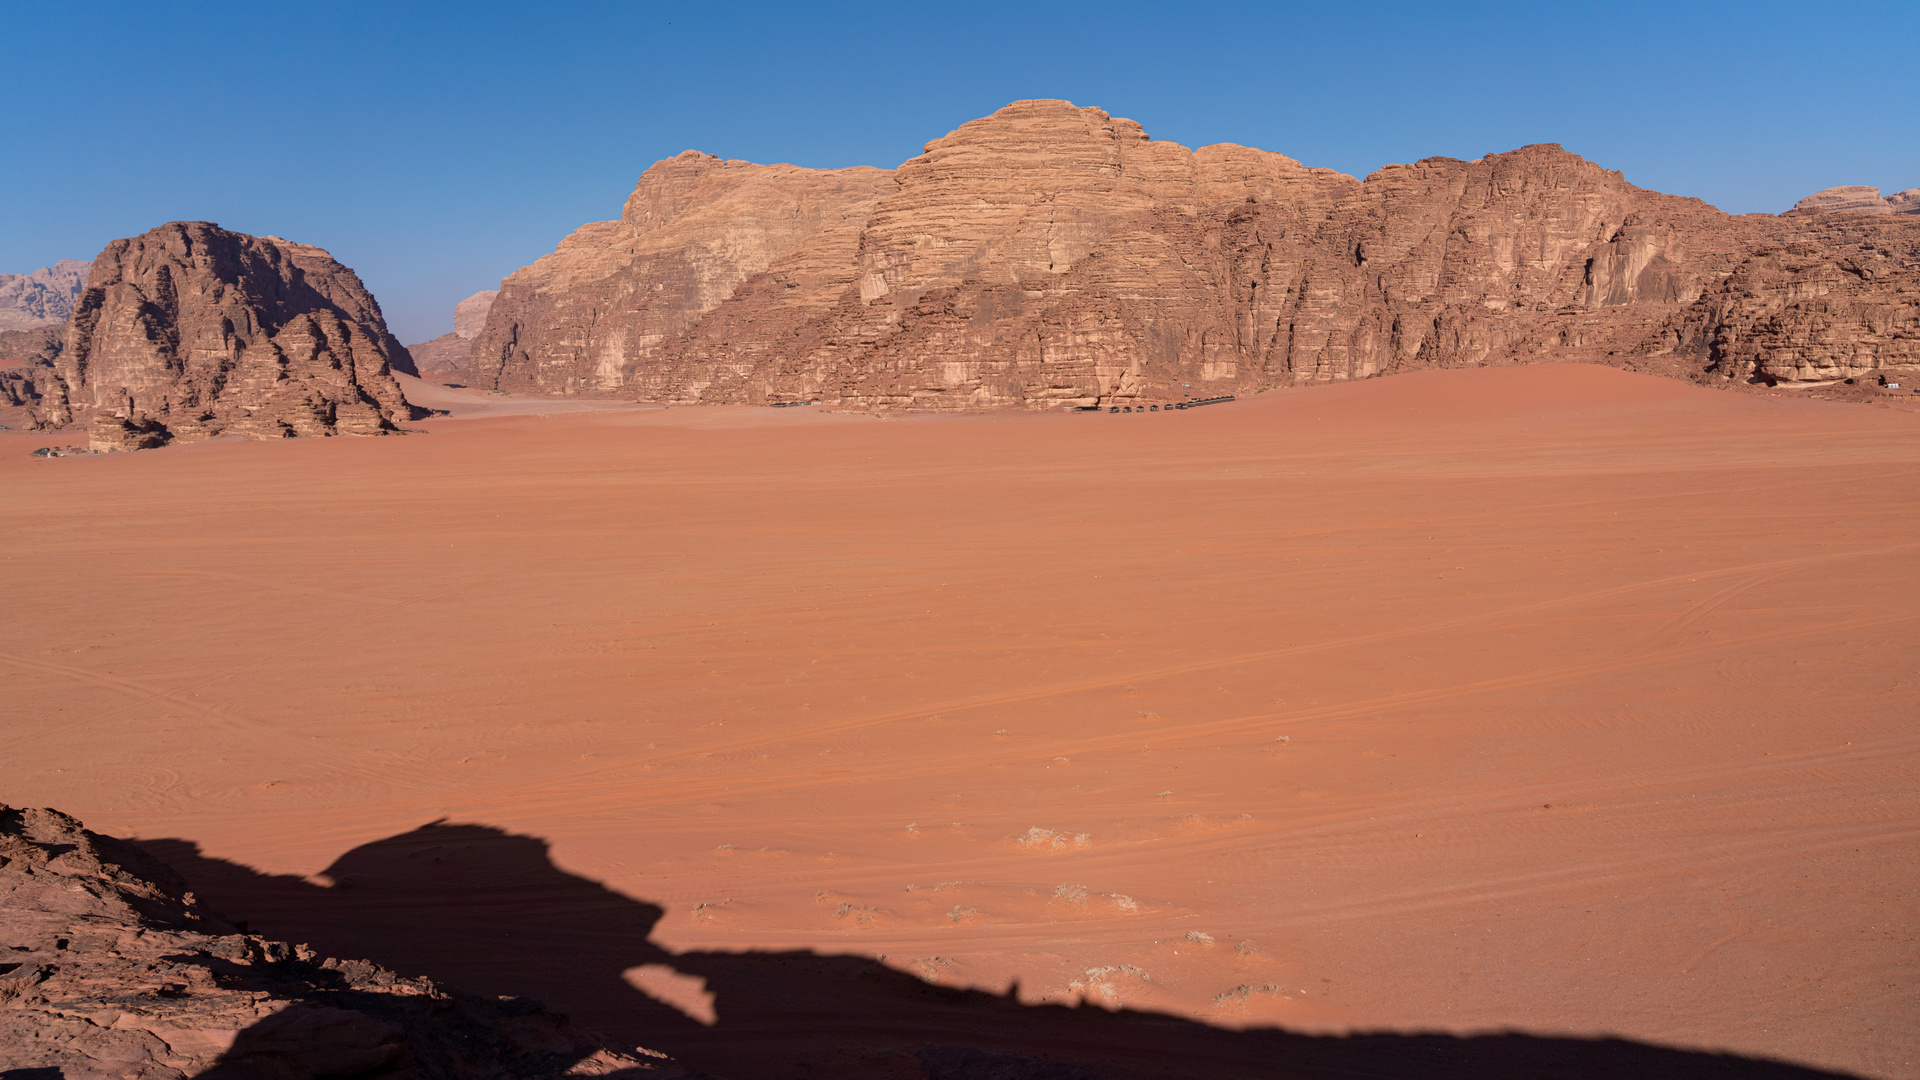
x=1837 y=297
x=42 y=298
x=189 y=331
x=447 y=354
x=594 y=316
x=111 y=970
x=26 y=364
x=1050 y=254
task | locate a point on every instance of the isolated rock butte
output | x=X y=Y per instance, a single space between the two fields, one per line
x=42 y=298
x=111 y=970
x=1861 y=199
x=189 y=331
x=1050 y=254
x=447 y=354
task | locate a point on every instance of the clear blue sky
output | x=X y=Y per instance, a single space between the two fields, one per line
x=437 y=147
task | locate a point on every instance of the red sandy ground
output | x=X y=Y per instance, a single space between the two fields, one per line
x=1548 y=698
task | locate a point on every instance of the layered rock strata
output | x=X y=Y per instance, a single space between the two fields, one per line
x=1832 y=299
x=606 y=311
x=1050 y=255
x=42 y=298
x=447 y=354
x=109 y=969
x=190 y=331
x=1861 y=199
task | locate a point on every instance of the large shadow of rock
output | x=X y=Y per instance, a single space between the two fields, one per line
x=487 y=912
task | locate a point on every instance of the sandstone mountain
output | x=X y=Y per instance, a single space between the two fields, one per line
x=610 y=310
x=1050 y=255
x=189 y=331
x=447 y=354
x=470 y=315
x=42 y=298
x=113 y=971
x=1861 y=199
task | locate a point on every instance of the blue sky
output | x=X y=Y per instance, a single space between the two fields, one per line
x=437 y=147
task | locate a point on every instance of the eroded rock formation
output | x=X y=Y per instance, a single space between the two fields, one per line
x=1050 y=254
x=1861 y=199
x=447 y=354
x=109 y=969
x=470 y=315
x=26 y=364
x=42 y=298
x=601 y=313
x=1834 y=298
x=189 y=331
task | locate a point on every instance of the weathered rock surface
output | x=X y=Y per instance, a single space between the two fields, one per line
x=595 y=315
x=26 y=364
x=42 y=298
x=189 y=331
x=1861 y=199
x=447 y=354
x=1847 y=199
x=470 y=315
x=109 y=969
x=444 y=355
x=1050 y=254
x=1836 y=298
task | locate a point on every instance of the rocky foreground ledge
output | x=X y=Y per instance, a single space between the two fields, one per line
x=108 y=968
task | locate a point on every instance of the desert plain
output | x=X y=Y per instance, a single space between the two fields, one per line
x=1556 y=700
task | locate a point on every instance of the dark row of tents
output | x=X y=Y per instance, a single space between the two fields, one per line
x=1194 y=404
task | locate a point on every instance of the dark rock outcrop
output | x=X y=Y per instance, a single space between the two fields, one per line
x=1050 y=254
x=190 y=331
x=109 y=969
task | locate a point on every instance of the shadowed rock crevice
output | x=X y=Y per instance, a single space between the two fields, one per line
x=486 y=910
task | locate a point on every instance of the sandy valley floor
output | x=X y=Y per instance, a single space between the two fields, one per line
x=1553 y=699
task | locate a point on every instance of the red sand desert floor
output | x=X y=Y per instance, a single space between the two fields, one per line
x=1553 y=699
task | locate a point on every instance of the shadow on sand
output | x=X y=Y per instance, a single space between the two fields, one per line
x=487 y=912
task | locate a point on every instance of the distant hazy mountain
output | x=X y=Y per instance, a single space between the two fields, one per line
x=42 y=298
x=1861 y=199
x=447 y=354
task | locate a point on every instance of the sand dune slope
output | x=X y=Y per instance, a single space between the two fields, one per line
x=1554 y=699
